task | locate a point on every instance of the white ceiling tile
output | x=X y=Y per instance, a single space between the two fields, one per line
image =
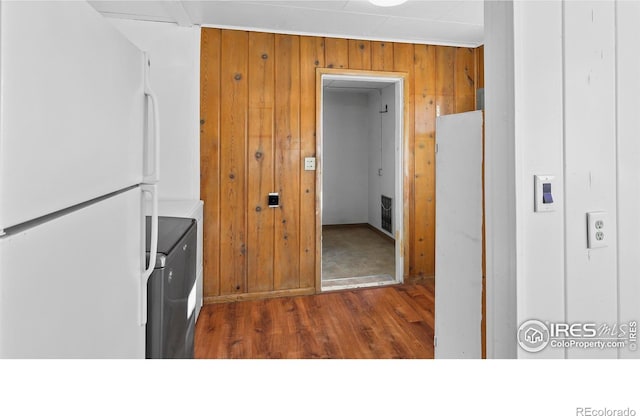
x=430 y=10
x=147 y=9
x=330 y=23
x=435 y=21
x=470 y=12
x=414 y=30
x=238 y=14
x=272 y=16
x=306 y=4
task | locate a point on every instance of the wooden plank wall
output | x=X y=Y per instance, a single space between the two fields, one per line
x=257 y=125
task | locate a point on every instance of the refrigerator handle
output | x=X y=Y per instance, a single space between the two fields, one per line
x=150 y=189
x=154 y=175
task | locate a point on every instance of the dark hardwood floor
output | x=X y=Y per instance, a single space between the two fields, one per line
x=383 y=322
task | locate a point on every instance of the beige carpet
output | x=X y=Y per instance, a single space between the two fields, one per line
x=354 y=255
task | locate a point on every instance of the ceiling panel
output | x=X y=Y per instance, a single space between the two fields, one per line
x=269 y=16
x=457 y=23
x=239 y=14
x=428 y=10
x=437 y=32
x=142 y=10
x=470 y=12
x=317 y=5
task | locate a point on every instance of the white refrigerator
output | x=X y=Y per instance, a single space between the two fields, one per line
x=78 y=164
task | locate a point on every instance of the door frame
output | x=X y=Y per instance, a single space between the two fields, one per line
x=401 y=217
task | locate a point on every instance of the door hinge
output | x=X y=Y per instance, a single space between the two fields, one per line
x=435 y=341
x=436 y=147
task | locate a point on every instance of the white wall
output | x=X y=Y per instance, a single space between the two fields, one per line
x=345 y=158
x=175 y=77
x=500 y=189
x=561 y=99
x=381 y=153
x=353 y=152
x=628 y=154
x=375 y=163
x=539 y=150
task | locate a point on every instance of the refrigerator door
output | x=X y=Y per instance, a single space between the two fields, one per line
x=70 y=287
x=73 y=109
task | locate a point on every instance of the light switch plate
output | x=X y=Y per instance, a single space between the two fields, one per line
x=598 y=229
x=309 y=163
x=539 y=203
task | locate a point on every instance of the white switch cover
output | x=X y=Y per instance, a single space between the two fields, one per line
x=540 y=203
x=309 y=163
x=598 y=229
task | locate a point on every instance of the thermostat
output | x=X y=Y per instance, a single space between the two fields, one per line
x=274 y=200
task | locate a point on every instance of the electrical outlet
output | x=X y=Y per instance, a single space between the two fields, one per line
x=597 y=231
x=309 y=163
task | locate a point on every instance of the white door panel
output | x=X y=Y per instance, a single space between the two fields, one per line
x=72 y=114
x=70 y=287
x=459 y=235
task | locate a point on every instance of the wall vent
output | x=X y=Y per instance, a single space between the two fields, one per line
x=386 y=211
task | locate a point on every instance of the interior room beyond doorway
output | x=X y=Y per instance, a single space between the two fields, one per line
x=360 y=139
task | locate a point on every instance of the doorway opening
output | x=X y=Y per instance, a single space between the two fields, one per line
x=361 y=180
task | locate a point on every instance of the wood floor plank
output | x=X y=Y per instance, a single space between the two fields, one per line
x=359 y=342
x=384 y=322
x=382 y=333
x=423 y=301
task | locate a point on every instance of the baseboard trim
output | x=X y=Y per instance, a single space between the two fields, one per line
x=354 y=225
x=380 y=233
x=361 y=225
x=418 y=279
x=259 y=295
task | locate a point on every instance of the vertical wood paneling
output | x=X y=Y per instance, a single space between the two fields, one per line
x=425 y=108
x=382 y=56
x=464 y=80
x=260 y=162
x=359 y=54
x=258 y=124
x=403 y=61
x=287 y=158
x=233 y=131
x=445 y=80
x=210 y=157
x=311 y=57
x=336 y=53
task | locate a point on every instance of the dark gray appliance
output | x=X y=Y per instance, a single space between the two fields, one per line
x=171 y=290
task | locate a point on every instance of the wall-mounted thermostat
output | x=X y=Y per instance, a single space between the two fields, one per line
x=274 y=200
x=545 y=193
